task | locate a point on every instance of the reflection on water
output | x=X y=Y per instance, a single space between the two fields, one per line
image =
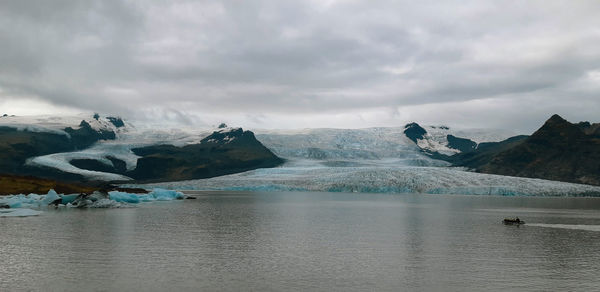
x=308 y=241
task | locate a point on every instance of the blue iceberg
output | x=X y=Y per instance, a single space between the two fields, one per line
x=19 y=205
x=155 y=195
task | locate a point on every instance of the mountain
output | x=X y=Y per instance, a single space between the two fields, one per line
x=24 y=138
x=223 y=152
x=559 y=150
x=96 y=149
x=483 y=153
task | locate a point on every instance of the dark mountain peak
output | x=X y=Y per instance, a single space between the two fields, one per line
x=584 y=125
x=555 y=118
x=559 y=150
x=557 y=129
x=412 y=125
x=589 y=128
x=85 y=124
x=86 y=135
x=116 y=121
x=414 y=132
x=229 y=135
x=461 y=144
x=223 y=152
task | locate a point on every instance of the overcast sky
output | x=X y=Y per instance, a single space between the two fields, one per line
x=305 y=63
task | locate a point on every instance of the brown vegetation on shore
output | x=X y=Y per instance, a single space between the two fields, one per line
x=12 y=184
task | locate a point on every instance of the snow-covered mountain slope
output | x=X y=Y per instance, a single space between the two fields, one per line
x=58 y=124
x=108 y=152
x=119 y=149
x=373 y=143
x=449 y=141
x=384 y=177
x=343 y=144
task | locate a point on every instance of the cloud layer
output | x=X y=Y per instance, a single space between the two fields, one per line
x=305 y=63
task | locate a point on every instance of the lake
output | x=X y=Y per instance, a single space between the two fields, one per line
x=298 y=241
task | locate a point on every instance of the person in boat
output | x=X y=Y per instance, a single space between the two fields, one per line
x=518 y=220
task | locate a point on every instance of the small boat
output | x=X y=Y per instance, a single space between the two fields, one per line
x=513 y=221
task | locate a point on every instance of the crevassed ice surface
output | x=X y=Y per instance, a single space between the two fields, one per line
x=378 y=160
x=388 y=176
x=368 y=143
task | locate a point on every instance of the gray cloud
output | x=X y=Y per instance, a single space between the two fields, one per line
x=307 y=63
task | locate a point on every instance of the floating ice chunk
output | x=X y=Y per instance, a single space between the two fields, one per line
x=115 y=199
x=167 y=195
x=155 y=195
x=19 y=213
x=20 y=201
x=125 y=197
x=52 y=196
x=105 y=203
x=66 y=199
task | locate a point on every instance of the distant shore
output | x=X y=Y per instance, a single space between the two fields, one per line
x=13 y=184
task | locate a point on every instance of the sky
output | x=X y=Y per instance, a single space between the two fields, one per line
x=305 y=63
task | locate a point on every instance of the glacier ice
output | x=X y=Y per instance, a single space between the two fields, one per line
x=120 y=148
x=61 y=162
x=379 y=177
x=369 y=143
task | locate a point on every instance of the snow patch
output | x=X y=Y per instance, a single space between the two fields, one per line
x=57 y=124
x=61 y=162
x=435 y=145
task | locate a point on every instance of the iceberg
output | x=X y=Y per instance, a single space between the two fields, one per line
x=155 y=195
x=19 y=205
x=51 y=197
x=34 y=200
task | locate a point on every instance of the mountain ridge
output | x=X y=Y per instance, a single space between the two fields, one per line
x=57 y=148
x=559 y=150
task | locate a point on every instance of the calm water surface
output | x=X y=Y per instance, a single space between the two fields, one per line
x=308 y=241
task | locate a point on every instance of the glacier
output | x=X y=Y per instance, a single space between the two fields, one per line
x=373 y=160
x=370 y=143
x=386 y=176
x=335 y=146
